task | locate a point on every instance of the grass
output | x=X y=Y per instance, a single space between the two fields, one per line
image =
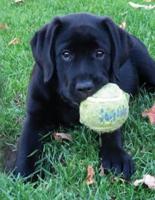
x=67 y=181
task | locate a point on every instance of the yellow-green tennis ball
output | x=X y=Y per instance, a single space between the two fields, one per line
x=106 y=110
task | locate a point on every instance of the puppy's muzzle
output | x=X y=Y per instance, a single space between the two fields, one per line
x=84 y=88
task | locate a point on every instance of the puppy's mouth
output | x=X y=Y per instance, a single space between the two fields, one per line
x=74 y=100
x=70 y=100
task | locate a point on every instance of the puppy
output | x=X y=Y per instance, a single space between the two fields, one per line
x=75 y=55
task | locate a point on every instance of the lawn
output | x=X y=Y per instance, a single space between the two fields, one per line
x=64 y=164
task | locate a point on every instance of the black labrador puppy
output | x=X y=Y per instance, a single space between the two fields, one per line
x=75 y=55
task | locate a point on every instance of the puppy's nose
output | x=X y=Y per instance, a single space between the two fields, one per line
x=85 y=86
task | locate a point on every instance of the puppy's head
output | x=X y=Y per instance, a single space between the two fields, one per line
x=84 y=51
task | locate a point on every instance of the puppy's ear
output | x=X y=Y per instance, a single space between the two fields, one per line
x=122 y=43
x=42 y=45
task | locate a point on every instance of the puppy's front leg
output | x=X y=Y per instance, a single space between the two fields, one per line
x=113 y=157
x=29 y=144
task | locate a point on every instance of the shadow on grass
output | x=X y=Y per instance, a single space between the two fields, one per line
x=7 y=156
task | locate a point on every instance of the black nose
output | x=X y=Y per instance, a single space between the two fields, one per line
x=85 y=86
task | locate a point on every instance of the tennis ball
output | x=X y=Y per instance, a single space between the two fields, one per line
x=106 y=110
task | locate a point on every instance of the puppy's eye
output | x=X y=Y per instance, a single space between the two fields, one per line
x=99 y=54
x=66 y=55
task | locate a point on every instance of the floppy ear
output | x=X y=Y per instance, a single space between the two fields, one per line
x=121 y=45
x=42 y=48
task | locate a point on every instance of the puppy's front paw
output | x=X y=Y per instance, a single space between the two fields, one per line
x=118 y=161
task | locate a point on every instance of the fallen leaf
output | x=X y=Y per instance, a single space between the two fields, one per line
x=62 y=136
x=14 y=41
x=19 y=1
x=150 y=113
x=147 y=180
x=137 y=6
x=3 y=26
x=123 y=25
x=90 y=175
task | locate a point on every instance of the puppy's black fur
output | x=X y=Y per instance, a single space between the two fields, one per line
x=75 y=55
